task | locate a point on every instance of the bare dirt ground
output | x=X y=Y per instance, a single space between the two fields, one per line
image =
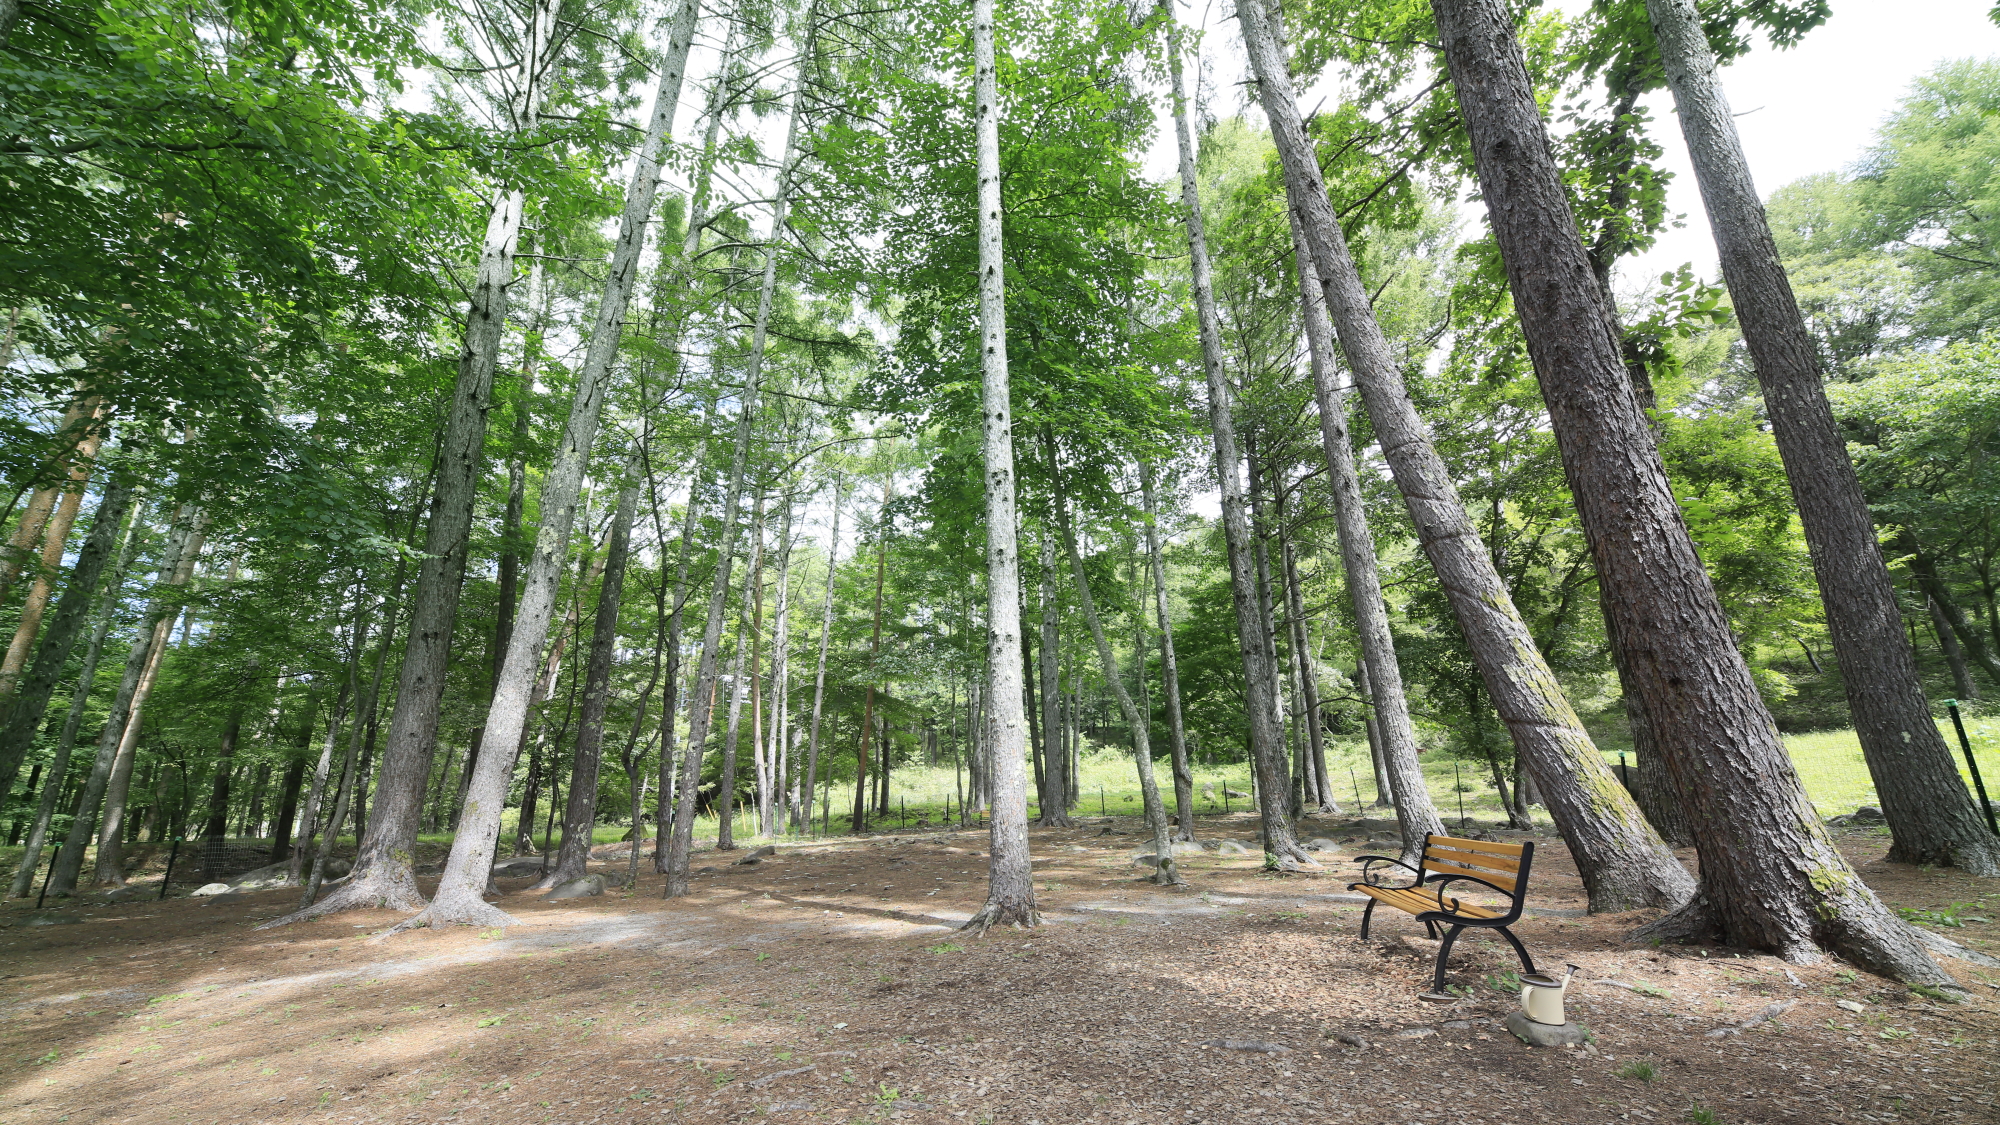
x=828 y=984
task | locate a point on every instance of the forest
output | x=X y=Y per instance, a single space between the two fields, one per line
x=454 y=441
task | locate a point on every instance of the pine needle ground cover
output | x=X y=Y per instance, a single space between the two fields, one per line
x=827 y=984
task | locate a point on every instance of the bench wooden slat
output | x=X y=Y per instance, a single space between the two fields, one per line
x=1508 y=864
x=1418 y=902
x=1506 y=883
x=1491 y=847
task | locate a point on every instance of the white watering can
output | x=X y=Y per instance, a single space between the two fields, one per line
x=1542 y=997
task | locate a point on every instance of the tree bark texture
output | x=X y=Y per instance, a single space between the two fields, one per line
x=819 y=670
x=1169 y=667
x=55 y=538
x=580 y=813
x=1932 y=817
x=1165 y=871
x=1260 y=679
x=1623 y=862
x=1055 y=763
x=1396 y=738
x=1771 y=877
x=1010 y=892
x=110 y=868
x=59 y=770
x=30 y=703
x=382 y=875
x=468 y=869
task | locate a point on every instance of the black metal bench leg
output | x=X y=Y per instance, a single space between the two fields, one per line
x=1431 y=930
x=1527 y=962
x=1444 y=951
x=1367 y=915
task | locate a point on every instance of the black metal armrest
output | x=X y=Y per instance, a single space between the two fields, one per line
x=1513 y=899
x=1368 y=876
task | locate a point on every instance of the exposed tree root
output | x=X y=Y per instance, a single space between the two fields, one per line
x=1940 y=946
x=1054 y=820
x=446 y=914
x=391 y=889
x=1889 y=947
x=998 y=914
x=1166 y=873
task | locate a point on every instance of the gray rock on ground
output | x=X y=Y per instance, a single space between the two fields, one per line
x=585 y=887
x=756 y=856
x=1233 y=847
x=1321 y=844
x=1544 y=1034
x=209 y=889
x=270 y=875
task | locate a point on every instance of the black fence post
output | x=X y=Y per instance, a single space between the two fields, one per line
x=1978 y=782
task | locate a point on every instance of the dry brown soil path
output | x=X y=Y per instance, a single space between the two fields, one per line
x=828 y=985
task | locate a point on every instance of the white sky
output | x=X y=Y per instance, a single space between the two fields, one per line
x=1810 y=109
x=1814 y=108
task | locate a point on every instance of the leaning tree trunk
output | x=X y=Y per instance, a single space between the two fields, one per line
x=1932 y=818
x=701 y=704
x=1923 y=569
x=1395 y=739
x=31 y=702
x=45 y=809
x=1010 y=892
x=580 y=814
x=461 y=890
x=1169 y=667
x=1166 y=872
x=110 y=869
x=382 y=876
x=1954 y=655
x=1771 y=877
x=1260 y=679
x=819 y=671
x=1623 y=862
x=55 y=538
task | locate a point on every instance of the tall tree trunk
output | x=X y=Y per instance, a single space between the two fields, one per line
x=59 y=770
x=580 y=815
x=1623 y=862
x=54 y=539
x=382 y=875
x=30 y=704
x=1166 y=872
x=1770 y=875
x=303 y=847
x=753 y=593
x=819 y=671
x=1010 y=891
x=468 y=870
x=1260 y=688
x=1954 y=656
x=110 y=867
x=1055 y=761
x=216 y=831
x=774 y=788
x=700 y=704
x=1169 y=666
x=1318 y=796
x=1931 y=816
x=861 y=753
x=1280 y=796
x=1395 y=739
x=663 y=812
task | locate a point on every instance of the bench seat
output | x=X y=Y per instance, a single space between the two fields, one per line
x=1484 y=865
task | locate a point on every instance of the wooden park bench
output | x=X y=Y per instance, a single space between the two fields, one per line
x=1502 y=868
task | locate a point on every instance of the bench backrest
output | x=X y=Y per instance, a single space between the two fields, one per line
x=1503 y=866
